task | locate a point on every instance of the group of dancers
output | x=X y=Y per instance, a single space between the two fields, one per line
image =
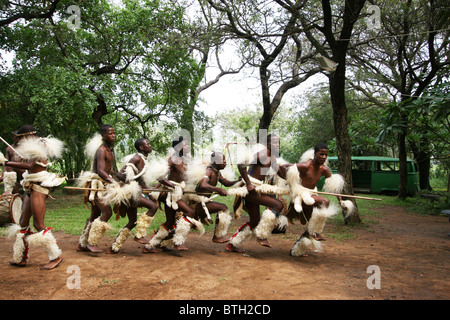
x=185 y=187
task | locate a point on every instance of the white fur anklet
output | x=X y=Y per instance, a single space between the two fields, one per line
x=19 y=248
x=142 y=225
x=266 y=224
x=85 y=235
x=241 y=235
x=120 y=240
x=157 y=238
x=97 y=232
x=222 y=225
x=319 y=217
x=303 y=244
x=182 y=229
x=47 y=241
x=9 y=181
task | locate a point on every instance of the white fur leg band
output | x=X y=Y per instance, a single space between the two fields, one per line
x=221 y=229
x=198 y=225
x=142 y=225
x=319 y=218
x=182 y=229
x=20 y=249
x=303 y=244
x=97 y=232
x=13 y=230
x=241 y=235
x=120 y=240
x=85 y=235
x=281 y=223
x=157 y=238
x=266 y=224
x=47 y=241
x=9 y=180
x=300 y=246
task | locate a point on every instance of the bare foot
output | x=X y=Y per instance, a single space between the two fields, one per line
x=94 y=249
x=22 y=263
x=303 y=255
x=80 y=248
x=111 y=251
x=318 y=237
x=152 y=250
x=229 y=247
x=140 y=240
x=52 y=264
x=220 y=240
x=181 y=247
x=264 y=242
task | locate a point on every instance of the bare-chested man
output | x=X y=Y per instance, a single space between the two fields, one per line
x=103 y=170
x=37 y=183
x=135 y=170
x=310 y=173
x=206 y=187
x=315 y=209
x=263 y=162
x=173 y=202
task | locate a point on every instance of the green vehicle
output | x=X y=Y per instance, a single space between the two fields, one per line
x=379 y=174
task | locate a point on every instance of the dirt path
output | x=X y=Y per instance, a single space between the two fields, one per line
x=412 y=253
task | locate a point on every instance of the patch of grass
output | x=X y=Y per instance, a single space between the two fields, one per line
x=107 y=281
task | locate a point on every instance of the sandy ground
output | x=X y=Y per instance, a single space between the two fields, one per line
x=410 y=251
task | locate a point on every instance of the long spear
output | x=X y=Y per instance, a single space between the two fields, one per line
x=200 y=193
x=20 y=155
x=143 y=191
x=348 y=196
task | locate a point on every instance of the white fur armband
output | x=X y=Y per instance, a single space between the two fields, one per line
x=334 y=184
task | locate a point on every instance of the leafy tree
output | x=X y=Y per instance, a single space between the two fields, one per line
x=270 y=41
x=407 y=55
x=124 y=63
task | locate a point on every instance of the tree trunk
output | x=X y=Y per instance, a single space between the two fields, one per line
x=403 y=184
x=100 y=111
x=448 y=182
x=344 y=151
x=422 y=156
x=267 y=115
x=187 y=122
x=337 y=90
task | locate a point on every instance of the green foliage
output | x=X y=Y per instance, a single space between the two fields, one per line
x=128 y=65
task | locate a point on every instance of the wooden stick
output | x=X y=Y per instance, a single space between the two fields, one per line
x=20 y=155
x=200 y=193
x=347 y=196
x=143 y=191
x=165 y=190
x=80 y=188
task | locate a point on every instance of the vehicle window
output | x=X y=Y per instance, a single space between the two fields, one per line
x=361 y=165
x=387 y=166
